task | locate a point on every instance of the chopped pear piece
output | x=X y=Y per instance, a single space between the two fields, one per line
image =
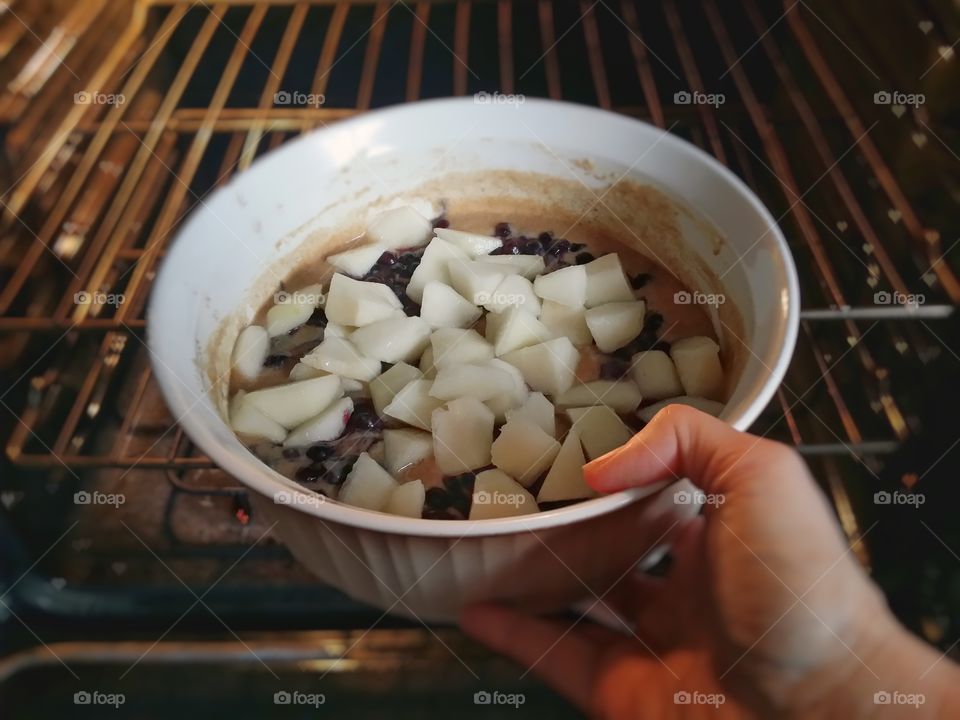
x=426 y=365
x=656 y=375
x=462 y=435
x=433 y=267
x=620 y=395
x=452 y=346
x=514 y=291
x=328 y=425
x=473 y=244
x=405 y=447
x=517 y=329
x=562 y=320
x=250 y=350
x=341 y=357
x=333 y=329
x=565 y=479
x=385 y=386
x=567 y=286
x=296 y=402
x=367 y=485
x=401 y=227
x=475 y=280
x=246 y=419
x=549 y=367
x=497 y=495
x=523 y=450
x=538 y=410
x=471 y=380
x=502 y=403
x=356 y=262
x=600 y=429
x=698 y=365
x=443 y=306
x=400 y=339
x=301 y=371
x=615 y=324
x=293 y=309
x=357 y=303
x=407 y=499
x=413 y=404
x=606 y=281
x=527 y=265
x=711 y=407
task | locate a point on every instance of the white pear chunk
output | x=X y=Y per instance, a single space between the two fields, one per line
x=497 y=495
x=606 y=281
x=396 y=339
x=514 y=291
x=600 y=429
x=407 y=499
x=367 y=485
x=453 y=346
x=356 y=262
x=567 y=286
x=341 y=357
x=462 y=435
x=433 y=267
x=565 y=479
x=473 y=244
x=400 y=227
x=357 y=303
x=384 y=387
x=246 y=419
x=517 y=329
x=443 y=306
x=615 y=324
x=293 y=309
x=711 y=407
x=523 y=450
x=333 y=329
x=296 y=402
x=250 y=350
x=622 y=396
x=563 y=320
x=549 y=367
x=492 y=322
x=413 y=404
x=405 y=447
x=505 y=402
x=527 y=265
x=471 y=380
x=328 y=425
x=301 y=371
x=426 y=365
x=538 y=410
x=655 y=374
x=698 y=365
x=475 y=280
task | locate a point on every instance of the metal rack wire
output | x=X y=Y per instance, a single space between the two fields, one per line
x=100 y=188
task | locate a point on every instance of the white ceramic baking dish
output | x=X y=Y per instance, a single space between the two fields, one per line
x=212 y=279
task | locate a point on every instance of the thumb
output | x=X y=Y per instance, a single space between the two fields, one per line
x=681 y=442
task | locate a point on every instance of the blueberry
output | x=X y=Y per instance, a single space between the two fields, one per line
x=584 y=257
x=438 y=499
x=364 y=417
x=614 y=368
x=434 y=514
x=441 y=222
x=653 y=322
x=662 y=346
x=318 y=319
x=577 y=247
x=310 y=474
x=320 y=452
x=502 y=230
x=639 y=280
x=387 y=259
x=559 y=248
x=291 y=453
x=273 y=361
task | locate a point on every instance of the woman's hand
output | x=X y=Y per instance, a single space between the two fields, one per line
x=765 y=611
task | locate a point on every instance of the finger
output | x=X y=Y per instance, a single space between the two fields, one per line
x=563 y=658
x=679 y=442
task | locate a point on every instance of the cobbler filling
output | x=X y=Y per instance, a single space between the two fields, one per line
x=357 y=445
x=324 y=466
